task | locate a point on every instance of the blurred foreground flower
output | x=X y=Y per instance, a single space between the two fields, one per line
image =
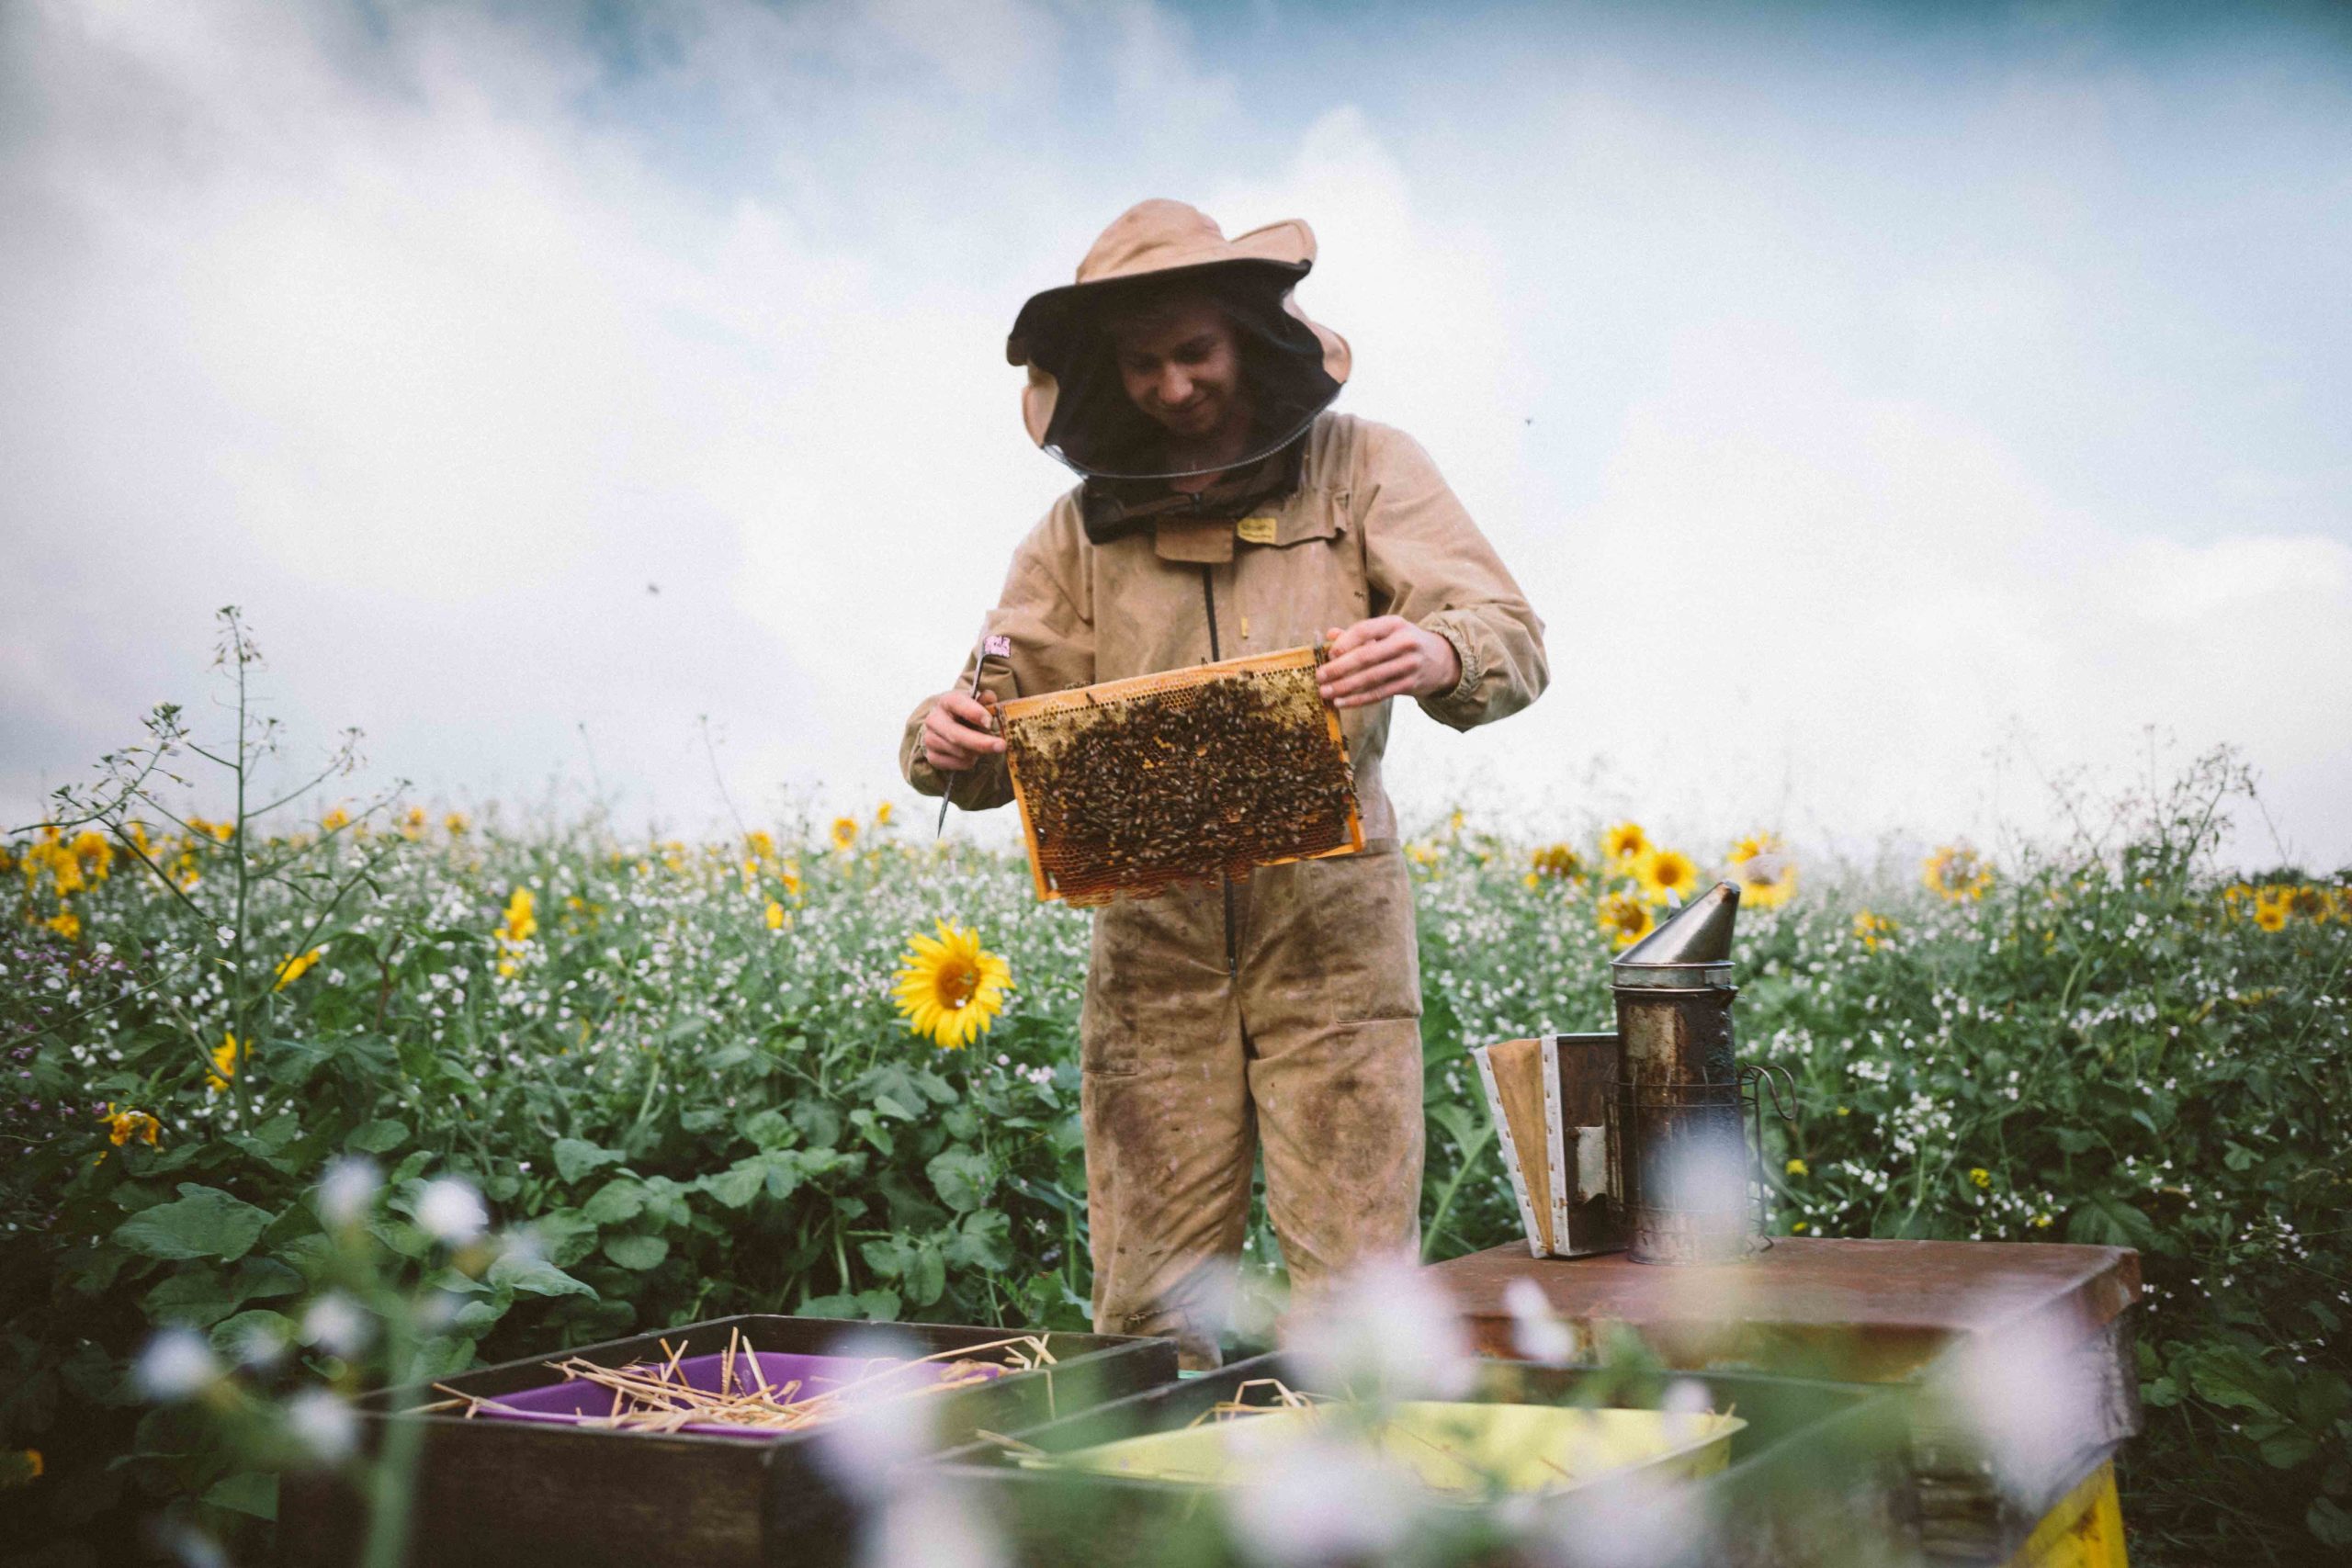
x=322 y=1423
x=176 y=1364
x=950 y=988
x=1872 y=929
x=844 y=832
x=1382 y=1332
x=348 y=1190
x=451 y=1211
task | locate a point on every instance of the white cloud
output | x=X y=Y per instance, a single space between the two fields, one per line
x=441 y=347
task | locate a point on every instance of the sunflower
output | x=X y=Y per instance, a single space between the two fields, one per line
x=844 y=832
x=1557 y=860
x=1767 y=876
x=2271 y=909
x=122 y=1126
x=1958 y=872
x=1666 y=873
x=1622 y=845
x=225 y=1058
x=1870 y=930
x=951 y=988
x=296 y=965
x=2308 y=901
x=1625 y=916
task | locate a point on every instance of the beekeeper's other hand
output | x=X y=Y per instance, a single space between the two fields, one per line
x=956 y=733
x=1385 y=657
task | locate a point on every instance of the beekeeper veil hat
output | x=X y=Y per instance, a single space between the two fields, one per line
x=1075 y=404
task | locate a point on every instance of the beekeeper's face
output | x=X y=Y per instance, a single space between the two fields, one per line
x=1181 y=366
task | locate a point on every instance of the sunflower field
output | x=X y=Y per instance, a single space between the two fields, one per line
x=829 y=1066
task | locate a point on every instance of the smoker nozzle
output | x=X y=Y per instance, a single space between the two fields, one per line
x=1693 y=948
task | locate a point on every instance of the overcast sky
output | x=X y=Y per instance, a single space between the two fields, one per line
x=1881 y=413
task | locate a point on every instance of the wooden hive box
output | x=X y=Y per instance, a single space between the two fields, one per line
x=1129 y=787
x=1817 y=1475
x=495 y=1491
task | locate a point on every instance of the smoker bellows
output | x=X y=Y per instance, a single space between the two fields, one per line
x=1635 y=1139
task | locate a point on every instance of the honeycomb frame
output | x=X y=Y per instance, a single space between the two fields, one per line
x=1288 y=721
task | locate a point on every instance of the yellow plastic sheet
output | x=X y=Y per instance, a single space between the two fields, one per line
x=1465 y=1449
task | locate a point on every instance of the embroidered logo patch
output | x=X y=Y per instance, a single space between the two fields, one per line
x=1257 y=530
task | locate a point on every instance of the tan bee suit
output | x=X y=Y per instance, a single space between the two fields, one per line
x=1288 y=1022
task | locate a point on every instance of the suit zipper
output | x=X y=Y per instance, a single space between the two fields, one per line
x=1208 y=603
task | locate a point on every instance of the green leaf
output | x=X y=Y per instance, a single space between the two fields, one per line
x=881 y=1306
x=616 y=1202
x=830 y=1306
x=247 y=1492
x=203 y=1222
x=870 y=1126
x=2229 y=1377
x=2287 y=1449
x=2110 y=1222
x=564 y=1235
x=820 y=1123
x=2330 y=1522
x=259 y=1278
x=738 y=1184
x=251 y=1332
x=926 y=1276
x=778 y=1172
x=769 y=1129
x=638 y=1252
x=199 y=1297
x=575 y=1157
x=885 y=1258
x=531 y=1276
x=962 y=1178
x=477 y=1318
x=984 y=1242
x=703 y=1119
x=379 y=1137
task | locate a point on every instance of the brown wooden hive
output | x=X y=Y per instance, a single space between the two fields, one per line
x=1129 y=787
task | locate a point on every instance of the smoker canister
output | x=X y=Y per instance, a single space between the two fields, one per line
x=1683 y=1143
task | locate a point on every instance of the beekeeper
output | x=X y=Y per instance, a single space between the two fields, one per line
x=1223 y=511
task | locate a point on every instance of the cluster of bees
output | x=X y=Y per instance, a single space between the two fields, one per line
x=1133 y=796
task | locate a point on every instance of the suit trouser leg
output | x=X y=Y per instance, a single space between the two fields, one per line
x=1330 y=1005
x=1170 y=1140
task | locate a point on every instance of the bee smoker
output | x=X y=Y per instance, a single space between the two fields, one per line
x=1635 y=1140
x=1681 y=1093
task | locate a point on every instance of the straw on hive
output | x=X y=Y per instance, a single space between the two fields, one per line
x=648 y=1397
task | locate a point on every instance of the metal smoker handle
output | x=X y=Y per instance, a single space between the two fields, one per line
x=1756 y=1080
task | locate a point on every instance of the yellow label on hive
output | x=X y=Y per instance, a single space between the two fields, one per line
x=1256 y=530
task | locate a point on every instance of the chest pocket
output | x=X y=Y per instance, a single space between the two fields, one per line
x=1297 y=573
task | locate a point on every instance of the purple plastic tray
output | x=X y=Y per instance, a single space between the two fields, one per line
x=572 y=1402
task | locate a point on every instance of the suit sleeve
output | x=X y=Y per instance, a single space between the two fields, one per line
x=1427 y=562
x=1046 y=612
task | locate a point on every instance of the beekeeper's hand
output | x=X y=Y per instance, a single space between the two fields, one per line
x=955 y=732
x=1385 y=657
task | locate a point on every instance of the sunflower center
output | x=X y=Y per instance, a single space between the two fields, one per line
x=956 y=982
